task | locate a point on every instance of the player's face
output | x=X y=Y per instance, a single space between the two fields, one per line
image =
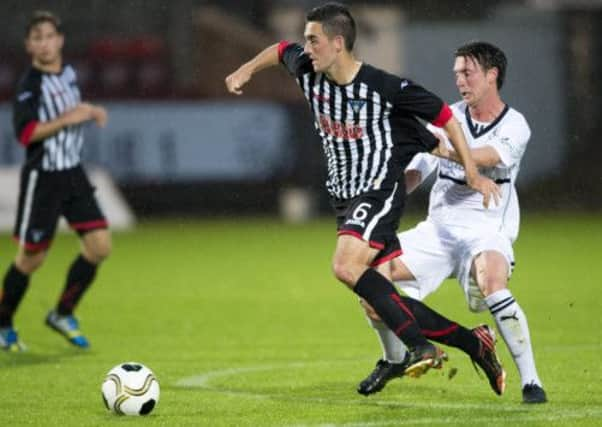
x=44 y=44
x=322 y=50
x=472 y=81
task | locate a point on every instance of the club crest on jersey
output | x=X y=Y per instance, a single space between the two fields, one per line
x=356 y=104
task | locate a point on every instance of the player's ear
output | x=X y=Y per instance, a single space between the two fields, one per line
x=492 y=74
x=339 y=43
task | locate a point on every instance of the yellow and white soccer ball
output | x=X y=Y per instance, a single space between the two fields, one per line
x=130 y=389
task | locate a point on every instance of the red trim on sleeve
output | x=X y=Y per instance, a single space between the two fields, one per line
x=27 y=132
x=282 y=47
x=90 y=225
x=444 y=115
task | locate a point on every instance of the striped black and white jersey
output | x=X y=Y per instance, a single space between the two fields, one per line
x=41 y=97
x=370 y=128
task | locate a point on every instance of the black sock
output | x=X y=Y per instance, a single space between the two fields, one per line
x=440 y=329
x=388 y=304
x=15 y=285
x=80 y=276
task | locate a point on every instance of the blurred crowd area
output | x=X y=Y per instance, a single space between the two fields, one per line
x=160 y=65
x=159 y=49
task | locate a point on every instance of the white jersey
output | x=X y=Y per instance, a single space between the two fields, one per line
x=452 y=202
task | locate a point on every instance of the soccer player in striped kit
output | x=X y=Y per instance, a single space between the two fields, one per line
x=48 y=116
x=459 y=238
x=367 y=121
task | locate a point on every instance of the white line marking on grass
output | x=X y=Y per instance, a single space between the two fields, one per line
x=515 y=414
x=556 y=417
x=201 y=381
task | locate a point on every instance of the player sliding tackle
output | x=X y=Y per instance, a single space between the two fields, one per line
x=367 y=121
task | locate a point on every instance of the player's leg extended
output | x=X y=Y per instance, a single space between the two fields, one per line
x=490 y=270
x=425 y=263
x=351 y=265
x=84 y=215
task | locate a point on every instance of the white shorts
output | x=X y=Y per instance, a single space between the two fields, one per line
x=434 y=253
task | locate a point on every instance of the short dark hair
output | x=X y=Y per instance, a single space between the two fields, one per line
x=41 y=16
x=336 y=20
x=488 y=56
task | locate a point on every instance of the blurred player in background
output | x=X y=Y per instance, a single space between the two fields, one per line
x=48 y=118
x=367 y=121
x=459 y=238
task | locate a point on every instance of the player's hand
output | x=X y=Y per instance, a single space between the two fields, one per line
x=81 y=113
x=487 y=187
x=441 y=150
x=99 y=115
x=236 y=80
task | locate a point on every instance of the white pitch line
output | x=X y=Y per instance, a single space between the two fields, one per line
x=555 y=417
x=522 y=412
x=201 y=381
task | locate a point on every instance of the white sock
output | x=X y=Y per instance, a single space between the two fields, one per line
x=394 y=350
x=512 y=324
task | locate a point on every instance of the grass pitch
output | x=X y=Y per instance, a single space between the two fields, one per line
x=243 y=325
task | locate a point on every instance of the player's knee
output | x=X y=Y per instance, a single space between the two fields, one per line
x=102 y=250
x=490 y=284
x=343 y=271
x=98 y=248
x=29 y=261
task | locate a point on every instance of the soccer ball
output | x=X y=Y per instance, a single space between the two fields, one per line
x=130 y=389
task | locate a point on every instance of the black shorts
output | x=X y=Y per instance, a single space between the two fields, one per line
x=373 y=217
x=45 y=196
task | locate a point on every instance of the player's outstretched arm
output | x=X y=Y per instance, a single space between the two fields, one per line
x=474 y=180
x=264 y=59
x=486 y=157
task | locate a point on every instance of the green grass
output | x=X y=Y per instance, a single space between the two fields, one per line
x=247 y=314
